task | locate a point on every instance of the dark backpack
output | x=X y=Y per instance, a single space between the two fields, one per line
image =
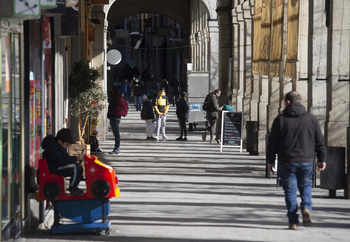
x=145 y=111
x=122 y=107
x=206 y=104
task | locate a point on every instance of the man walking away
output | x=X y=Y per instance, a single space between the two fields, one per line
x=161 y=108
x=295 y=137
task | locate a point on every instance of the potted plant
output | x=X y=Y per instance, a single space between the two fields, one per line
x=86 y=96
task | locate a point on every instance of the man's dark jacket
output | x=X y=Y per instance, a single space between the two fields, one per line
x=55 y=155
x=295 y=137
x=182 y=109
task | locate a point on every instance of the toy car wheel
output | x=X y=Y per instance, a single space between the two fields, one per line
x=108 y=231
x=100 y=188
x=51 y=190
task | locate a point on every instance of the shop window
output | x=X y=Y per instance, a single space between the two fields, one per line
x=10 y=127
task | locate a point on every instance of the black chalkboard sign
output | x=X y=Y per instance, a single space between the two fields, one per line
x=231 y=129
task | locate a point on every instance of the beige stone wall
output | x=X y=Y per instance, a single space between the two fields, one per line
x=302 y=54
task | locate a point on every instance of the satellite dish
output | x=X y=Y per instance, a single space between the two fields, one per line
x=114 y=57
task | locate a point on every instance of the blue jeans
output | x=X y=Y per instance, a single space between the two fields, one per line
x=296 y=175
x=138 y=102
x=115 y=128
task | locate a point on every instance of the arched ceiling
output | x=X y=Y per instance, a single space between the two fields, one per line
x=178 y=10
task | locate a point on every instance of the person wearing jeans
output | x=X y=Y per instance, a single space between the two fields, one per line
x=296 y=175
x=114 y=119
x=295 y=137
x=138 y=88
x=115 y=129
x=161 y=108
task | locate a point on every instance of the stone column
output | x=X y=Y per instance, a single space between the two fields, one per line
x=224 y=21
x=214 y=53
x=303 y=54
x=247 y=61
x=241 y=58
x=318 y=62
x=99 y=62
x=235 y=61
x=338 y=70
x=263 y=102
x=254 y=105
x=224 y=49
x=338 y=78
x=275 y=102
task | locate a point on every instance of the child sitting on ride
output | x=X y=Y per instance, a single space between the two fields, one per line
x=60 y=162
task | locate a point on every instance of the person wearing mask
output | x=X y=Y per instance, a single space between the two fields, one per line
x=139 y=90
x=161 y=107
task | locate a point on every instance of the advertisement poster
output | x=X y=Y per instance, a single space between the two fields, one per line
x=46 y=35
x=35 y=122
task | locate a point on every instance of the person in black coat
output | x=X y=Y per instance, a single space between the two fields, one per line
x=147 y=114
x=139 y=90
x=182 y=112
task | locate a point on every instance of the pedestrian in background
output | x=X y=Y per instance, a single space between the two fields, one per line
x=147 y=114
x=175 y=90
x=165 y=84
x=228 y=106
x=212 y=114
x=114 y=119
x=161 y=107
x=126 y=89
x=150 y=85
x=139 y=90
x=295 y=137
x=182 y=114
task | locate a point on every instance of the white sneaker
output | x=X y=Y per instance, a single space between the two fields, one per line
x=165 y=137
x=157 y=137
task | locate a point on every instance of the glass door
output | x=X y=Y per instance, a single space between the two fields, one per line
x=10 y=128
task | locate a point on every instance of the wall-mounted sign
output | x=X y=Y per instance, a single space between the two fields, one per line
x=48 y=3
x=27 y=7
x=46 y=35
